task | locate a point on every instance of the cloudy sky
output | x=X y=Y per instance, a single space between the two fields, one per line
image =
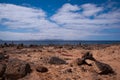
x=60 y=19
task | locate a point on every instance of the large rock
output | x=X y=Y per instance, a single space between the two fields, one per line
x=2 y=69
x=102 y=68
x=16 y=69
x=56 y=60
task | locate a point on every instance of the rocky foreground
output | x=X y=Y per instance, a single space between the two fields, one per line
x=55 y=62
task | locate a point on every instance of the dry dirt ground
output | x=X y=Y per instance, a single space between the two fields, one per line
x=38 y=56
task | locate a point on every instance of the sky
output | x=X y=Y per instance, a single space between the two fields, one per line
x=60 y=19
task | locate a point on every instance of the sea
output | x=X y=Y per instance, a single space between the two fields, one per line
x=58 y=42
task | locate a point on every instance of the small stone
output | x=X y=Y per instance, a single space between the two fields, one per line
x=68 y=71
x=68 y=79
x=79 y=61
x=41 y=69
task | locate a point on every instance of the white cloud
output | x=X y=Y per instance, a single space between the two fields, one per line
x=69 y=22
x=77 y=19
x=110 y=15
x=15 y=16
x=68 y=7
x=90 y=9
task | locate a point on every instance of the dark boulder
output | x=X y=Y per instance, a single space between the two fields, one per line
x=103 y=68
x=56 y=60
x=2 y=69
x=16 y=69
x=41 y=69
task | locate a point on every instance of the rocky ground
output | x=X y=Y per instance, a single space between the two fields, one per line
x=53 y=62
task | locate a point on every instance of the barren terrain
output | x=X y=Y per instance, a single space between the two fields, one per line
x=39 y=56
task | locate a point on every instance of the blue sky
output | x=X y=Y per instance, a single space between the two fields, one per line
x=60 y=19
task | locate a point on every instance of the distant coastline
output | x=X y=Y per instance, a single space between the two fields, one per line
x=60 y=42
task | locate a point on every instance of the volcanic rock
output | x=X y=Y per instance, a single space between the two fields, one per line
x=103 y=68
x=56 y=60
x=41 y=69
x=2 y=69
x=17 y=69
x=88 y=55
